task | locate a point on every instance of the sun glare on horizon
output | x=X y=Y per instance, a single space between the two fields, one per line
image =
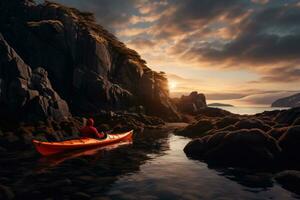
x=172 y=85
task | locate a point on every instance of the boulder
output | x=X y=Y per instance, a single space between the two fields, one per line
x=252 y=123
x=197 y=129
x=288 y=116
x=290 y=180
x=290 y=144
x=251 y=148
x=226 y=121
x=6 y=192
x=213 y=112
x=277 y=132
x=296 y=122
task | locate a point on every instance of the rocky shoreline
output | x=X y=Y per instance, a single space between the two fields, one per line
x=267 y=141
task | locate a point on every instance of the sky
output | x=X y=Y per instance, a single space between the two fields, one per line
x=244 y=52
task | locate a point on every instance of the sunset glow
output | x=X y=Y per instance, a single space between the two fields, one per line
x=172 y=85
x=236 y=50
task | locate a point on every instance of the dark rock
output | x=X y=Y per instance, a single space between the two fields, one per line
x=103 y=127
x=290 y=144
x=197 y=129
x=89 y=69
x=213 y=112
x=252 y=123
x=290 y=101
x=6 y=192
x=2 y=149
x=288 y=116
x=277 y=132
x=251 y=148
x=296 y=122
x=226 y=121
x=26 y=94
x=59 y=183
x=290 y=180
x=192 y=104
x=81 y=196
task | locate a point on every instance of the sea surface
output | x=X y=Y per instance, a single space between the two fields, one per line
x=154 y=166
x=249 y=110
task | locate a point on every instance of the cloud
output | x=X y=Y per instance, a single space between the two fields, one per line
x=269 y=37
x=265 y=98
x=284 y=74
x=259 y=36
x=260 y=1
x=111 y=14
x=224 y=96
x=141 y=44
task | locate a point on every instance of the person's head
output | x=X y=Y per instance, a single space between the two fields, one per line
x=90 y=122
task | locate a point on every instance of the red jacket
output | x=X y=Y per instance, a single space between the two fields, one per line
x=90 y=131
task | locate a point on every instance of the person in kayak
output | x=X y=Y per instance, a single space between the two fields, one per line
x=90 y=131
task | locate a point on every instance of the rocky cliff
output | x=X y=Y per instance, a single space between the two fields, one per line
x=64 y=62
x=290 y=101
x=192 y=103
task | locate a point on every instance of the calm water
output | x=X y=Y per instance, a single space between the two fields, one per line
x=249 y=110
x=153 y=167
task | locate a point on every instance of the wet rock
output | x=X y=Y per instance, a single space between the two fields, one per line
x=200 y=128
x=290 y=180
x=252 y=123
x=277 y=132
x=226 y=121
x=290 y=144
x=2 y=149
x=296 y=122
x=213 y=112
x=6 y=192
x=59 y=183
x=253 y=147
x=288 y=116
x=81 y=196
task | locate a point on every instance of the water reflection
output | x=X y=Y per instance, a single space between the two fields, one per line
x=95 y=153
x=152 y=167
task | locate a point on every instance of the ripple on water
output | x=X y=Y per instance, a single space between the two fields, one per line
x=153 y=167
x=173 y=176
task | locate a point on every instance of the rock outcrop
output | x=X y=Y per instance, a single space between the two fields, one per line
x=242 y=147
x=249 y=140
x=86 y=65
x=290 y=180
x=192 y=103
x=290 y=101
x=26 y=93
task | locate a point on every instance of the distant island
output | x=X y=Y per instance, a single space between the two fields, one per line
x=220 y=104
x=290 y=101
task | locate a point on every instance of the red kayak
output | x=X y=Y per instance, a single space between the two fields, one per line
x=50 y=148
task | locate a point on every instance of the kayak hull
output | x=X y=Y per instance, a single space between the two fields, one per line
x=50 y=148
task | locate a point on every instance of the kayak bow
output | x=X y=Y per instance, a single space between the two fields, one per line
x=50 y=148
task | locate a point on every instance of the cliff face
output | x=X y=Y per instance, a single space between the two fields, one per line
x=26 y=92
x=86 y=65
x=291 y=101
